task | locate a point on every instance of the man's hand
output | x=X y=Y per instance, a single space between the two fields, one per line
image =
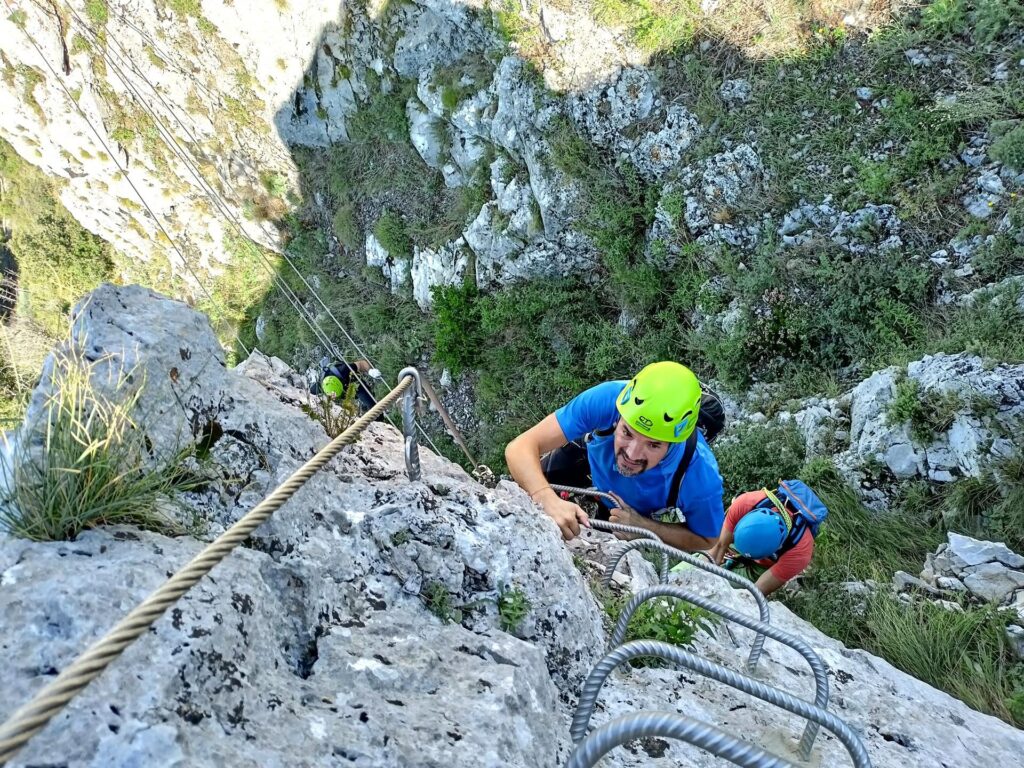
x=568 y=516
x=626 y=515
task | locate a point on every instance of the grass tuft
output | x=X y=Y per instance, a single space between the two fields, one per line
x=85 y=463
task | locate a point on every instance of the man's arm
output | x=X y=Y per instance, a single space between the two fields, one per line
x=522 y=456
x=676 y=535
x=768 y=582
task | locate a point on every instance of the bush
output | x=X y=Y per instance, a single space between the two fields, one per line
x=1009 y=148
x=664 y=619
x=84 y=463
x=513 y=605
x=391 y=233
x=754 y=456
x=458 y=337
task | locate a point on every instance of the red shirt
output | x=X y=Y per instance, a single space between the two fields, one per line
x=792 y=562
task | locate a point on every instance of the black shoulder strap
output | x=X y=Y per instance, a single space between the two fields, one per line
x=684 y=463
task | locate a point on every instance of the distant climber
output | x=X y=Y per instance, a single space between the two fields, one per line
x=769 y=535
x=336 y=376
x=637 y=440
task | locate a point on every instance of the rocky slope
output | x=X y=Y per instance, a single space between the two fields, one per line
x=313 y=644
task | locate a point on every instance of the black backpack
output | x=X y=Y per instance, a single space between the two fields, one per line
x=711 y=418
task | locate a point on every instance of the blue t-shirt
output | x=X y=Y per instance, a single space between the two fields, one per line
x=700 y=495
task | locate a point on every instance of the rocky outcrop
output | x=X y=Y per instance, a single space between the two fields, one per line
x=362 y=622
x=983 y=402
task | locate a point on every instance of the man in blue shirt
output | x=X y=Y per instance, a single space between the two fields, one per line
x=636 y=440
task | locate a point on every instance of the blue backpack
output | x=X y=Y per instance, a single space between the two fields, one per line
x=809 y=512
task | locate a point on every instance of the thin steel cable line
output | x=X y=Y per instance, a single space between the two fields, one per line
x=123 y=171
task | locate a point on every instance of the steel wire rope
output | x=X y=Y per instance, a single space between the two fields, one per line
x=124 y=171
x=33 y=716
x=818 y=669
x=170 y=140
x=635 y=648
x=672 y=725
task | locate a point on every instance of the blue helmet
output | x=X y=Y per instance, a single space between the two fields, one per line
x=760 y=533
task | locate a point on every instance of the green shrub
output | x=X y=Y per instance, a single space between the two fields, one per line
x=391 y=233
x=944 y=17
x=96 y=11
x=84 y=463
x=664 y=619
x=458 y=337
x=929 y=413
x=1009 y=148
x=989 y=326
x=439 y=602
x=346 y=225
x=753 y=456
x=992 y=18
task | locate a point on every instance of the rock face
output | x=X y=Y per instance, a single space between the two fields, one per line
x=323 y=635
x=984 y=403
x=990 y=571
x=98 y=124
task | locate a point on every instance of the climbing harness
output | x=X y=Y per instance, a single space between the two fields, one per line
x=34 y=715
x=703 y=667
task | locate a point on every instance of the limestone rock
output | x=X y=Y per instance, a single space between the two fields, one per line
x=445 y=266
x=396 y=271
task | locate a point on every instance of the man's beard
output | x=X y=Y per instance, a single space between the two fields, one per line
x=627 y=470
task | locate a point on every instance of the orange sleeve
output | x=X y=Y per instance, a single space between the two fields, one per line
x=740 y=506
x=793 y=562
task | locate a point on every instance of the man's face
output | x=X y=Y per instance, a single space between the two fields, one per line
x=635 y=453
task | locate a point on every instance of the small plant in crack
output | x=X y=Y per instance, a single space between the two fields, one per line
x=399 y=538
x=513 y=605
x=439 y=602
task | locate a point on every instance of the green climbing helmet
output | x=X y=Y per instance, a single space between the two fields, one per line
x=662 y=402
x=333 y=386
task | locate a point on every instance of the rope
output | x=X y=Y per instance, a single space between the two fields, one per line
x=33 y=716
